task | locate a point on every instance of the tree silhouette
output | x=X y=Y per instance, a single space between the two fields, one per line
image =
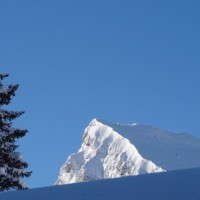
x=12 y=165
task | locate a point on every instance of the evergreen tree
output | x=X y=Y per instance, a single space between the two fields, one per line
x=12 y=166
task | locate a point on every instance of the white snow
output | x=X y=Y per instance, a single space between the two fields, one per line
x=2 y=171
x=5 y=89
x=113 y=150
x=174 y=185
x=16 y=156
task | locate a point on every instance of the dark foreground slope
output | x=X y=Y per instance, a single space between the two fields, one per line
x=174 y=185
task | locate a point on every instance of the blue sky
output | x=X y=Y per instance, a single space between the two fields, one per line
x=130 y=61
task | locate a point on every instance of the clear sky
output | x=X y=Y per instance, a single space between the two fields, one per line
x=121 y=61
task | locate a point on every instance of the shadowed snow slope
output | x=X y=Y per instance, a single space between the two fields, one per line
x=113 y=150
x=174 y=185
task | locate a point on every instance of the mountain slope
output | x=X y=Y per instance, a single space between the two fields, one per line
x=174 y=185
x=113 y=150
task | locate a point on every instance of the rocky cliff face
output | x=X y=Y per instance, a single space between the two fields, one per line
x=112 y=150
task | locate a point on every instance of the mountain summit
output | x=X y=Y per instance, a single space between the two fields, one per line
x=112 y=150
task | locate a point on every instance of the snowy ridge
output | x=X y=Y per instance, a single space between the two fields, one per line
x=112 y=150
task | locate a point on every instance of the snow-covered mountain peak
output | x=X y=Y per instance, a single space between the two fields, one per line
x=124 y=127
x=97 y=121
x=112 y=150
